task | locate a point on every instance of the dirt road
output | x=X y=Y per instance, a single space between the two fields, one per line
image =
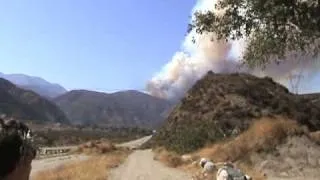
x=134 y=143
x=49 y=163
x=141 y=166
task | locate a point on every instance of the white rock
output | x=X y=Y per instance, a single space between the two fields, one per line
x=248 y=177
x=202 y=161
x=229 y=173
x=222 y=174
x=209 y=167
x=186 y=158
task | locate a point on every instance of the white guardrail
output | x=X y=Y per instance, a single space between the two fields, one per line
x=46 y=152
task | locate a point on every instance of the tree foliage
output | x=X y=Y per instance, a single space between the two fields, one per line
x=273 y=28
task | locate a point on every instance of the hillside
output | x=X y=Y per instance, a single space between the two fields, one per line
x=27 y=105
x=313 y=98
x=221 y=105
x=36 y=84
x=125 y=108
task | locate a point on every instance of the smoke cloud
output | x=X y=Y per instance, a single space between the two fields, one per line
x=195 y=59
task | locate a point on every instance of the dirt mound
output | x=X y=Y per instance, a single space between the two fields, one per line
x=223 y=105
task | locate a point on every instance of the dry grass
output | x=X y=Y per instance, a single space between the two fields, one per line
x=97 y=147
x=95 y=168
x=262 y=137
x=170 y=159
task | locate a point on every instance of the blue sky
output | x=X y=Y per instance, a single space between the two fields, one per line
x=100 y=45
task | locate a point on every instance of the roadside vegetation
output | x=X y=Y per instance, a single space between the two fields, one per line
x=262 y=138
x=78 y=135
x=104 y=157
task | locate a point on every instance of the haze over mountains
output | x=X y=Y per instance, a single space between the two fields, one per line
x=36 y=84
x=28 y=105
x=124 y=108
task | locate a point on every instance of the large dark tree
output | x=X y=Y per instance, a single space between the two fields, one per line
x=273 y=28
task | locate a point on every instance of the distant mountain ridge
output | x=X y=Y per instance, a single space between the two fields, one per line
x=128 y=108
x=36 y=84
x=124 y=108
x=27 y=105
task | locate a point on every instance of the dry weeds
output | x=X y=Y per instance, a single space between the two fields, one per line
x=170 y=159
x=95 y=168
x=96 y=147
x=262 y=137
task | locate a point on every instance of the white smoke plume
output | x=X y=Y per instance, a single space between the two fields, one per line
x=196 y=59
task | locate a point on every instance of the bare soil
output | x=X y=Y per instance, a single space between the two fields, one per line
x=140 y=165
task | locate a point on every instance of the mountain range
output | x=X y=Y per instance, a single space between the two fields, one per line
x=28 y=105
x=36 y=84
x=124 y=108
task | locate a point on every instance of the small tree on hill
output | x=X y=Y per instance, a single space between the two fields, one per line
x=273 y=28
